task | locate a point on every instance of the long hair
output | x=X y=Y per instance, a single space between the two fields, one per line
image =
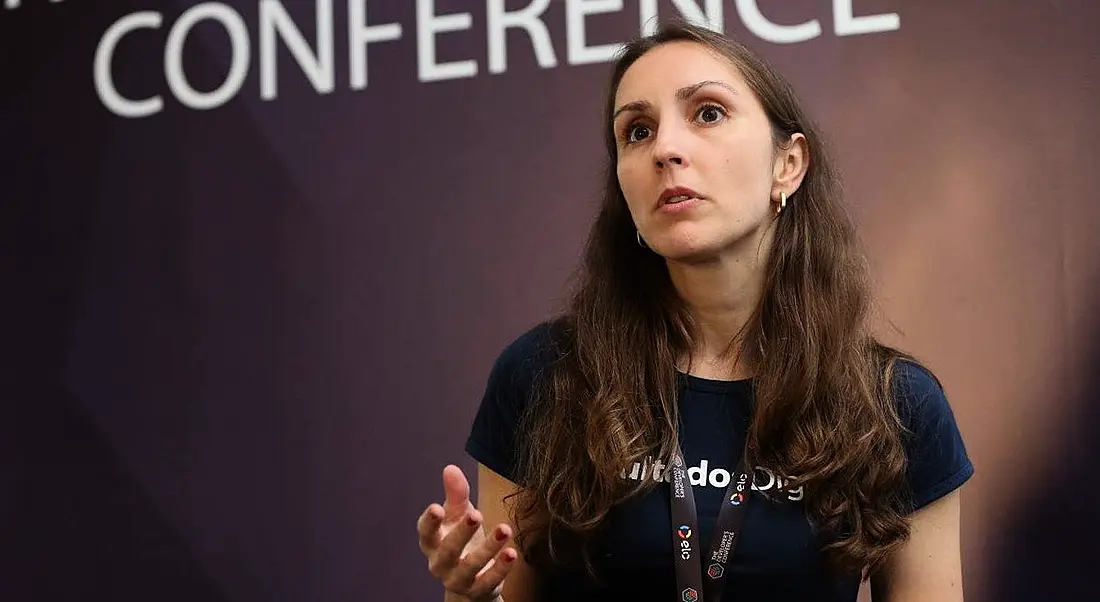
x=823 y=416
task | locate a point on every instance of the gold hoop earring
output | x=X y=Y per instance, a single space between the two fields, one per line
x=782 y=203
x=641 y=243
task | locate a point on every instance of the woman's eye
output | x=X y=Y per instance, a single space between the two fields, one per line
x=637 y=133
x=710 y=113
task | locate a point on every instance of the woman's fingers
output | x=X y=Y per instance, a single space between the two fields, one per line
x=466 y=572
x=428 y=527
x=446 y=554
x=457 y=491
x=489 y=581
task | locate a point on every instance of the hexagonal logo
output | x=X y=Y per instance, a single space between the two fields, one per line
x=690 y=595
x=715 y=571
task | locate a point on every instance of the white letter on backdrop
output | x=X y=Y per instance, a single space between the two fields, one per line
x=529 y=19
x=847 y=25
x=318 y=67
x=690 y=11
x=359 y=35
x=579 y=52
x=428 y=24
x=760 y=26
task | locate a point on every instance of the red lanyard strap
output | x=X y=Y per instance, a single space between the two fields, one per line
x=691 y=584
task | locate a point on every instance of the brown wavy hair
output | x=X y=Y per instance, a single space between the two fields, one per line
x=824 y=415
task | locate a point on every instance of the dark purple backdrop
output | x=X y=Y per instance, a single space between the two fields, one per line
x=240 y=344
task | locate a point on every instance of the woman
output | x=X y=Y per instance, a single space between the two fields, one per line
x=720 y=324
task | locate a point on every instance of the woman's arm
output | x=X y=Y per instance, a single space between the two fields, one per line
x=928 y=567
x=492 y=489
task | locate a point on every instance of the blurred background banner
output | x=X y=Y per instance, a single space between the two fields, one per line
x=258 y=257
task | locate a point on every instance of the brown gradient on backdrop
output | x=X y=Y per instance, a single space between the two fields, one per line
x=968 y=162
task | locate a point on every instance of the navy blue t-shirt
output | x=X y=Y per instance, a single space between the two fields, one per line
x=777 y=557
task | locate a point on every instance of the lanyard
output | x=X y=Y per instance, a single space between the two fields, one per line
x=690 y=581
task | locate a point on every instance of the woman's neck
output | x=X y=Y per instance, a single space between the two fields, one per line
x=721 y=297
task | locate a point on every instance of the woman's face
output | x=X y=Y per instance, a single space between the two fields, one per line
x=696 y=159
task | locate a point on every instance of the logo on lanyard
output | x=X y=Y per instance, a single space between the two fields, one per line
x=685 y=546
x=738 y=496
x=690 y=595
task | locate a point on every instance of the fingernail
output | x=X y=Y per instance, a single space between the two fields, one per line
x=471 y=520
x=501 y=535
x=509 y=556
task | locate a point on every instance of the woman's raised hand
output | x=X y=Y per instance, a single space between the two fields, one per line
x=470 y=564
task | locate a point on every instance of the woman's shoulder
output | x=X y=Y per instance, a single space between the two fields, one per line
x=509 y=392
x=520 y=365
x=918 y=392
x=913 y=382
x=936 y=453
x=534 y=349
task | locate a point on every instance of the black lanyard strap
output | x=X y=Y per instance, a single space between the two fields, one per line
x=687 y=552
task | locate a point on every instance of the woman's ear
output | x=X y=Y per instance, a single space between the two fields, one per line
x=791 y=163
